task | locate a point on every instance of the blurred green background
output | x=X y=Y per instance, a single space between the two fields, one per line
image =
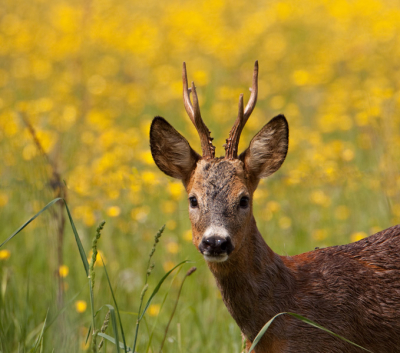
x=89 y=76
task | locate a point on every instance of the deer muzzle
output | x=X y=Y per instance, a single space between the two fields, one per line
x=216 y=245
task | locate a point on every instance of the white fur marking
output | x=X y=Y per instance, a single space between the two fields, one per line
x=221 y=258
x=216 y=231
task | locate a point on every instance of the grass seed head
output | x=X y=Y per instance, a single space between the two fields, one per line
x=144 y=290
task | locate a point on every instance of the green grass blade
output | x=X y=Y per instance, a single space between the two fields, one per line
x=92 y=304
x=115 y=303
x=158 y=288
x=151 y=335
x=188 y=273
x=305 y=320
x=262 y=331
x=91 y=299
x=88 y=334
x=30 y=220
x=312 y=323
x=114 y=325
x=40 y=337
x=77 y=239
x=98 y=310
x=112 y=340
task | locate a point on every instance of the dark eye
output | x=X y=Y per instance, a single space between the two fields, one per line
x=244 y=202
x=193 y=202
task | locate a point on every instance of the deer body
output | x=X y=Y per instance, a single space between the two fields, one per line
x=353 y=290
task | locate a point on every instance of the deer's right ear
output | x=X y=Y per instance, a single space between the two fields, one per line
x=267 y=149
x=171 y=151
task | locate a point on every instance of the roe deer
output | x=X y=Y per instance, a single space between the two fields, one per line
x=353 y=290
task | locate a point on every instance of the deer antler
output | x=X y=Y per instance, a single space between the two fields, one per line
x=195 y=116
x=232 y=142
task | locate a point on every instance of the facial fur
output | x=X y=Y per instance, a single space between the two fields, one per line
x=219 y=187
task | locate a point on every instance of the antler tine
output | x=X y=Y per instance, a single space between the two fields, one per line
x=254 y=92
x=240 y=108
x=186 y=97
x=232 y=143
x=195 y=116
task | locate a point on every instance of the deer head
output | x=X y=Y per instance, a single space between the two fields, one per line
x=221 y=189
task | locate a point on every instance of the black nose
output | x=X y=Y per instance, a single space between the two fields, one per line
x=215 y=245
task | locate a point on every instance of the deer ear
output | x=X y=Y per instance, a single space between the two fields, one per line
x=171 y=151
x=267 y=149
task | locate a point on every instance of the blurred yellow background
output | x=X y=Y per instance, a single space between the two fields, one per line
x=89 y=76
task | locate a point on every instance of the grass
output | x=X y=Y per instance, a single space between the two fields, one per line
x=112 y=313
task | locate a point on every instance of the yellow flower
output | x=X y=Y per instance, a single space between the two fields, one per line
x=348 y=154
x=168 y=265
x=342 y=212
x=320 y=234
x=113 y=194
x=175 y=190
x=358 y=236
x=86 y=214
x=319 y=198
x=44 y=105
x=277 y=102
x=154 y=309
x=96 y=84
x=172 y=247
x=300 y=77
x=396 y=209
x=148 y=177
x=5 y=254
x=145 y=126
x=169 y=206
x=63 y=271
x=200 y=77
x=3 y=199
x=80 y=306
x=171 y=224
x=29 y=151
x=273 y=206
x=100 y=255
x=10 y=128
x=114 y=211
x=147 y=158
x=140 y=213
x=89 y=219
x=188 y=235
x=285 y=222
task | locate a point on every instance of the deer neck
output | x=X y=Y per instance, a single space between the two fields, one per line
x=254 y=283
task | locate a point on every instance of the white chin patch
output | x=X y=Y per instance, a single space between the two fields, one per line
x=220 y=258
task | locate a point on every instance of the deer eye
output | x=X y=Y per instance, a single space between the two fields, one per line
x=193 y=202
x=244 y=202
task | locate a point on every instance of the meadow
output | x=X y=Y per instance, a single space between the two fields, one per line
x=80 y=82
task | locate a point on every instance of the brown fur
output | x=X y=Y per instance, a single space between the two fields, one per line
x=353 y=290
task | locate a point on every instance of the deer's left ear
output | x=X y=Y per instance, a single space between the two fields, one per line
x=171 y=151
x=267 y=149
